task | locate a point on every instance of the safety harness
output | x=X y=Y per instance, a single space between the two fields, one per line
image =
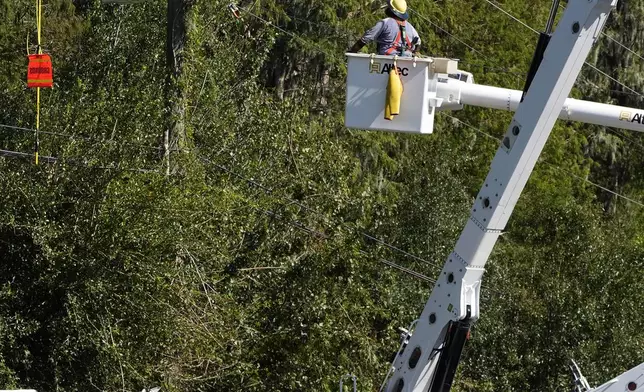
x=402 y=40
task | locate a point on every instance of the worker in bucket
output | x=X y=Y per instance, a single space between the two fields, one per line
x=394 y=35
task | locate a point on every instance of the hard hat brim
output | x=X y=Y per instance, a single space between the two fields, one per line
x=404 y=16
x=401 y=15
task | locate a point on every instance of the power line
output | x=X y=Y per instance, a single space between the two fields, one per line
x=613 y=79
x=297 y=37
x=498 y=7
x=76 y=137
x=622 y=45
x=554 y=166
x=293 y=223
x=316 y=233
x=454 y=37
x=403 y=269
x=17 y=154
x=616 y=131
x=311 y=210
x=72 y=162
x=614 y=40
x=597 y=185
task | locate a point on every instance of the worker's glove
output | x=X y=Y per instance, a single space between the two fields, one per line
x=415 y=46
x=357 y=46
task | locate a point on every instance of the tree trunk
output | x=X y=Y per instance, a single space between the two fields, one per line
x=174 y=137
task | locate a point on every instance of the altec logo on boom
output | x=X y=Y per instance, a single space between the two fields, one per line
x=632 y=118
x=375 y=67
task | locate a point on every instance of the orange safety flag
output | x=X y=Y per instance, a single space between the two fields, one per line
x=40 y=73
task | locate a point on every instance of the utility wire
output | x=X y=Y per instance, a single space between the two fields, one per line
x=72 y=162
x=596 y=185
x=403 y=269
x=453 y=36
x=316 y=233
x=269 y=191
x=613 y=79
x=522 y=75
x=616 y=131
x=614 y=40
x=298 y=225
x=632 y=91
x=76 y=137
x=17 y=154
x=498 y=7
x=297 y=37
x=623 y=46
x=468 y=125
x=552 y=165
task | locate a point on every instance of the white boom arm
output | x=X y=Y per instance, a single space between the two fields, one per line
x=629 y=381
x=454 y=91
x=430 y=359
x=429 y=355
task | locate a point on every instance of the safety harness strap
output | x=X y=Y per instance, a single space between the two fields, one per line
x=402 y=40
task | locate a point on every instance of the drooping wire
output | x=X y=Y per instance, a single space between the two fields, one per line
x=498 y=7
x=77 y=137
x=452 y=36
x=638 y=203
x=613 y=79
x=623 y=46
x=313 y=232
x=296 y=224
x=617 y=42
x=71 y=162
x=269 y=191
x=455 y=37
x=293 y=35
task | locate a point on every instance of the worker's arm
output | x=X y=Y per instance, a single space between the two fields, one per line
x=414 y=37
x=368 y=37
x=357 y=46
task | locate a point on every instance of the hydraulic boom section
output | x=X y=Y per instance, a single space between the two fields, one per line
x=431 y=357
x=630 y=381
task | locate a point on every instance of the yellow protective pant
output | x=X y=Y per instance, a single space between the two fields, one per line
x=394 y=95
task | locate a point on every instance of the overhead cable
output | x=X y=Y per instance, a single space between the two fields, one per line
x=454 y=37
x=77 y=137
x=72 y=162
x=269 y=191
x=498 y=7
x=554 y=166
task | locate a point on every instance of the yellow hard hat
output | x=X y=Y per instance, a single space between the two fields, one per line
x=398 y=8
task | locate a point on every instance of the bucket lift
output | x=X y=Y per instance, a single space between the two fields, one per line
x=429 y=359
x=367 y=80
x=436 y=84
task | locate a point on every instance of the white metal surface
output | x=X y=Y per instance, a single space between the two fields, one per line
x=629 y=381
x=367 y=78
x=458 y=286
x=457 y=92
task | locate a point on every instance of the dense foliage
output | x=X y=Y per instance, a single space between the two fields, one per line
x=253 y=266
